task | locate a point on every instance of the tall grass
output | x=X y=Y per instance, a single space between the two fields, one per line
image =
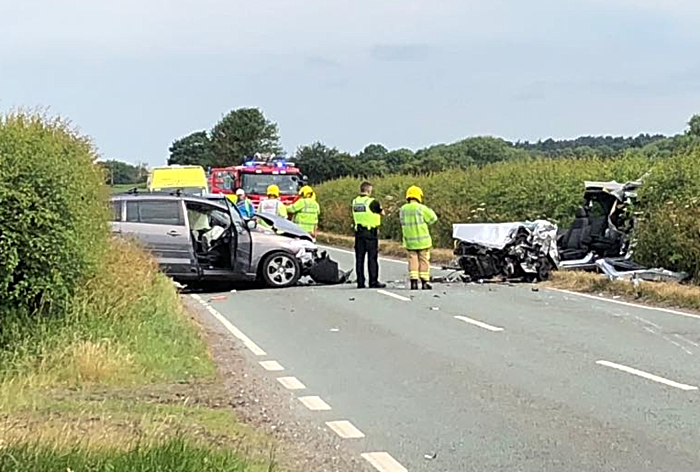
x=125 y=325
x=176 y=454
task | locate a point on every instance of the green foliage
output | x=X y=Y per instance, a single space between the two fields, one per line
x=177 y=454
x=53 y=212
x=194 y=149
x=242 y=133
x=669 y=231
x=508 y=191
x=694 y=126
x=122 y=173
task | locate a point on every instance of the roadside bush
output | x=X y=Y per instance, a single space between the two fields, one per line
x=53 y=213
x=669 y=229
x=509 y=191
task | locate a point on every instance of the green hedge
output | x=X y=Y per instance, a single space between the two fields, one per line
x=668 y=231
x=512 y=191
x=53 y=213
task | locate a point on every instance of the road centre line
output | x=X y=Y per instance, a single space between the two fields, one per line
x=247 y=342
x=385 y=259
x=345 y=429
x=393 y=295
x=272 y=366
x=291 y=383
x=314 y=403
x=633 y=305
x=479 y=324
x=646 y=375
x=383 y=462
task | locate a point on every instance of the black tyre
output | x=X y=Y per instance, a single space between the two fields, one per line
x=280 y=270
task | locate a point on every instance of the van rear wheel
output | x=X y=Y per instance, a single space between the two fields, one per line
x=280 y=270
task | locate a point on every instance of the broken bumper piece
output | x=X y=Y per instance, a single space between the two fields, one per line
x=616 y=270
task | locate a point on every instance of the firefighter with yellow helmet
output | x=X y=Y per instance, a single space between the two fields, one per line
x=415 y=219
x=273 y=205
x=306 y=210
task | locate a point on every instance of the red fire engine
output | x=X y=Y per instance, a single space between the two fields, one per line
x=255 y=175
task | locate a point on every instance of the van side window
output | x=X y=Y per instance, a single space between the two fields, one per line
x=156 y=212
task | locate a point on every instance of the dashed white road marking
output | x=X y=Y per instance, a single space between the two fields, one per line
x=633 y=305
x=291 y=383
x=315 y=403
x=479 y=324
x=383 y=462
x=393 y=295
x=247 y=342
x=646 y=375
x=272 y=366
x=345 y=429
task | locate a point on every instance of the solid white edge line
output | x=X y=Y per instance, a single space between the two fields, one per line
x=393 y=295
x=314 y=403
x=385 y=259
x=291 y=383
x=633 y=305
x=254 y=348
x=383 y=462
x=345 y=429
x=272 y=366
x=479 y=324
x=646 y=375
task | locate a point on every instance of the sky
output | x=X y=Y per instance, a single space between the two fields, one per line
x=137 y=74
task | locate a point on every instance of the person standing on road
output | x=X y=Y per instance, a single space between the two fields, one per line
x=305 y=211
x=245 y=206
x=367 y=216
x=415 y=219
x=273 y=205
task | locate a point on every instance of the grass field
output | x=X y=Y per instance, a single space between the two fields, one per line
x=123 y=382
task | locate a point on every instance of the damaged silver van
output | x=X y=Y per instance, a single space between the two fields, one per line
x=197 y=239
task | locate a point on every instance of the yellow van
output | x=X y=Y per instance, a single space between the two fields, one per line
x=190 y=180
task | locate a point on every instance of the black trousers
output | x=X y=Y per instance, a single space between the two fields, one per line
x=368 y=246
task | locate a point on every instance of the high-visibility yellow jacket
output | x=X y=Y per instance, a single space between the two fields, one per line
x=415 y=218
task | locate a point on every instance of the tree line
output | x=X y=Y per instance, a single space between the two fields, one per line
x=246 y=131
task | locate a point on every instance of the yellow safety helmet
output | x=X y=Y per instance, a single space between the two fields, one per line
x=273 y=191
x=306 y=191
x=414 y=192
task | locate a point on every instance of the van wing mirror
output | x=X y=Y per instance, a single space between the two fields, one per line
x=251 y=224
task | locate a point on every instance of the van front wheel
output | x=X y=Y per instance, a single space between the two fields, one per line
x=280 y=270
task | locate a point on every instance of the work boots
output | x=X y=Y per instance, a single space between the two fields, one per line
x=414 y=285
x=426 y=285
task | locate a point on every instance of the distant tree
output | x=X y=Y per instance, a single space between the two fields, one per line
x=243 y=132
x=194 y=149
x=121 y=173
x=694 y=126
x=320 y=163
x=373 y=152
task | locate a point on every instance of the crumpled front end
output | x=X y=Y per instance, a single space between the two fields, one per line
x=507 y=250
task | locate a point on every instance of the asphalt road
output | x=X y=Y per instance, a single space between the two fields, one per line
x=481 y=377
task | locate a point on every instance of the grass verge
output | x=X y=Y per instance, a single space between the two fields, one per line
x=122 y=381
x=668 y=295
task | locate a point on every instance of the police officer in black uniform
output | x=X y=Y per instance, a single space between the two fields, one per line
x=367 y=216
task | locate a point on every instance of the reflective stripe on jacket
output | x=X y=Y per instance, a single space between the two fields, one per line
x=415 y=218
x=362 y=215
x=306 y=212
x=273 y=206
